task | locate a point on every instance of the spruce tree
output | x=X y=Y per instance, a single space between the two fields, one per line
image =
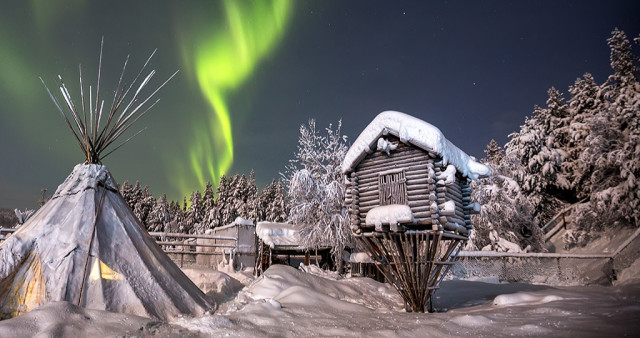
x=159 y=216
x=278 y=209
x=584 y=104
x=266 y=197
x=252 y=198
x=194 y=215
x=222 y=199
x=494 y=152
x=208 y=205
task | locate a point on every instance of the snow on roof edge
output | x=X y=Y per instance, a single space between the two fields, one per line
x=417 y=132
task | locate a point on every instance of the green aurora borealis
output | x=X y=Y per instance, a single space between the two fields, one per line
x=219 y=45
x=252 y=71
x=222 y=61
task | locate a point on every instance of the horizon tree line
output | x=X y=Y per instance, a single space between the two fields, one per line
x=235 y=196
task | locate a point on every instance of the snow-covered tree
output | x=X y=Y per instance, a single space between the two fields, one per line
x=126 y=190
x=506 y=219
x=252 y=198
x=223 y=199
x=143 y=204
x=195 y=214
x=613 y=151
x=506 y=215
x=159 y=217
x=584 y=104
x=538 y=165
x=242 y=205
x=278 y=210
x=623 y=62
x=559 y=119
x=494 y=152
x=177 y=217
x=316 y=189
x=272 y=203
x=208 y=204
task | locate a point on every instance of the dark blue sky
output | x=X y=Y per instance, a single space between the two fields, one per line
x=474 y=69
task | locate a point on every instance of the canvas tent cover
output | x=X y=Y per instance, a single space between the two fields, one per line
x=86 y=247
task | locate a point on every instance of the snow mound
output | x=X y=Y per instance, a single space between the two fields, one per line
x=209 y=281
x=207 y=324
x=524 y=298
x=63 y=319
x=417 y=132
x=317 y=271
x=471 y=320
x=290 y=286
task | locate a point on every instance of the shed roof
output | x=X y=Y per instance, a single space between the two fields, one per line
x=279 y=234
x=414 y=131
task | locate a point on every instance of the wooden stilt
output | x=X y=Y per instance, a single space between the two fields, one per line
x=414 y=263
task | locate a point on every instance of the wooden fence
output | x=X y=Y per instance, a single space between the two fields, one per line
x=181 y=248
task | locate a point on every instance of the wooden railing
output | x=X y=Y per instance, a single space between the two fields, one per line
x=558 y=221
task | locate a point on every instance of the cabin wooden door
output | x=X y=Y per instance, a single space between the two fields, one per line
x=392 y=188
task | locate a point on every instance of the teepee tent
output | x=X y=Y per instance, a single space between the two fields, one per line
x=85 y=246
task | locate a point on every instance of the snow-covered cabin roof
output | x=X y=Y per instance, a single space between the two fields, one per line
x=279 y=234
x=413 y=131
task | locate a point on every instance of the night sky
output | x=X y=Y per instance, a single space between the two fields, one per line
x=252 y=72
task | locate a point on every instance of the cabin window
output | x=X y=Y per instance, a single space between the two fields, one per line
x=392 y=187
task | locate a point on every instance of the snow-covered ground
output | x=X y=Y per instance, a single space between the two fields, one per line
x=288 y=302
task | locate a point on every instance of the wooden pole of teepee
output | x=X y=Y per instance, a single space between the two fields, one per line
x=93 y=138
x=85 y=275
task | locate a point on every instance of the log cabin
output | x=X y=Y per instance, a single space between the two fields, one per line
x=403 y=174
x=409 y=202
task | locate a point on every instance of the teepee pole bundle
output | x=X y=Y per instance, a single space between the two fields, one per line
x=85 y=122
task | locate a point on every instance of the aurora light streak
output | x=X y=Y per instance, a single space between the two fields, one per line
x=222 y=61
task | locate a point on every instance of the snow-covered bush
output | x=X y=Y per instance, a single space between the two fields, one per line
x=506 y=217
x=316 y=189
